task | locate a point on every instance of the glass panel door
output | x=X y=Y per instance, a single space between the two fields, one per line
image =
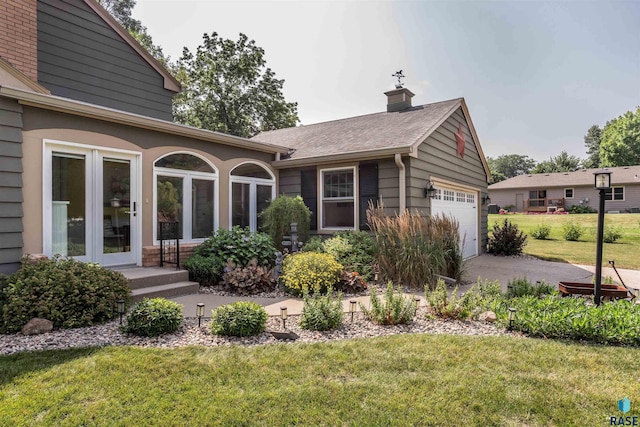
x=202 y=197
x=69 y=210
x=118 y=211
x=116 y=205
x=241 y=204
x=263 y=194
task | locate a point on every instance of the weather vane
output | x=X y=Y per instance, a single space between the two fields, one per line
x=398 y=75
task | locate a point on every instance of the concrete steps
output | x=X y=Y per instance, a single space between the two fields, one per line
x=152 y=282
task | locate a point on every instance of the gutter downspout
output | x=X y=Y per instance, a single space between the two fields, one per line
x=402 y=182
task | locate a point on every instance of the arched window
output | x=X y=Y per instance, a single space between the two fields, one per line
x=252 y=188
x=186 y=193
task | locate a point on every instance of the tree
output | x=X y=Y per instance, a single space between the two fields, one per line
x=592 y=142
x=564 y=162
x=121 y=11
x=509 y=165
x=620 y=145
x=227 y=88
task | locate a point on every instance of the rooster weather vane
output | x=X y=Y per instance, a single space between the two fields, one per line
x=398 y=75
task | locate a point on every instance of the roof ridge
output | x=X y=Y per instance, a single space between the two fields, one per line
x=360 y=116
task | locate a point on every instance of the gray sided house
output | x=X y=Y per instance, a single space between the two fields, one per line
x=338 y=167
x=552 y=191
x=92 y=166
x=90 y=161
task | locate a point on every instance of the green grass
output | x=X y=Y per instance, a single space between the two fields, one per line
x=625 y=251
x=398 y=380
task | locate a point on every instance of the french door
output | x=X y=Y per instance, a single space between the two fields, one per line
x=91 y=202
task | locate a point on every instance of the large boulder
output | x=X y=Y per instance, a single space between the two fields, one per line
x=488 y=316
x=37 y=326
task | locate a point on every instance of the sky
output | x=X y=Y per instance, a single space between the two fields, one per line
x=535 y=74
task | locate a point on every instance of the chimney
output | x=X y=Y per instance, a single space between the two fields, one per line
x=398 y=99
x=19 y=35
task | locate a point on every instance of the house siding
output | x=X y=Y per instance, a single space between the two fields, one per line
x=10 y=185
x=290 y=183
x=437 y=158
x=80 y=57
x=587 y=194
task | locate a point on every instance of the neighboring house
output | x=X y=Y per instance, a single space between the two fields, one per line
x=87 y=142
x=544 y=192
x=91 y=164
x=338 y=167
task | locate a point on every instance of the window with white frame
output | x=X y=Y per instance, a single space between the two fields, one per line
x=614 y=193
x=186 y=193
x=568 y=193
x=252 y=188
x=338 y=198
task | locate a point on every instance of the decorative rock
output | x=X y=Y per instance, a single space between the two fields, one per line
x=36 y=258
x=288 y=335
x=37 y=326
x=488 y=316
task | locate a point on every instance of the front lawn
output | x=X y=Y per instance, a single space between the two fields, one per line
x=624 y=251
x=402 y=380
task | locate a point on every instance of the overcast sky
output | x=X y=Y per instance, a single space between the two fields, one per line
x=535 y=74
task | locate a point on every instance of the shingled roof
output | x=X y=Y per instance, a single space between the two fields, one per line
x=370 y=133
x=582 y=177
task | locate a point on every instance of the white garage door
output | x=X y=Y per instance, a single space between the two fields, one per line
x=463 y=206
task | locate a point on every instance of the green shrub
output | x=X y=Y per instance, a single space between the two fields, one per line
x=153 y=317
x=248 y=280
x=205 y=270
x=541 y=232
x=506 y=239
x=361 y=255
x=309 y=272
x=614 y=322
x=483 y=296
x=444 y=306
x=611 y=234
x=520 y=287
x=393 y=309
x=279 y=215
x=412 y=249
x=582 y=209
x=313 y=245
x=572 y=231
x=67 y=292
x=240 y=319
x=240 y=246
x=321 y=312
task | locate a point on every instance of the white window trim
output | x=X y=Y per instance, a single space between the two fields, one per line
x=253 y=183
x=187 y=226
x=573 y=193
x=354 y=199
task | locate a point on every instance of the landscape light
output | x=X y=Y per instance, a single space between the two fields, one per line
x=200 y=312
x=352 y=308
x=120 y=306
x=512 y=316
x=283 y=316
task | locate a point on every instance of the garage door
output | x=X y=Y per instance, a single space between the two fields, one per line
x=463 y=206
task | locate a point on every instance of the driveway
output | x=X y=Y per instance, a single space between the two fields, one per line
x=503 y=269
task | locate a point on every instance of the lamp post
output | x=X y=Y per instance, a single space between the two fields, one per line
x=200 y=312
x=120 y=307
x=352 y=308
x=283 y=316
x=602 y=183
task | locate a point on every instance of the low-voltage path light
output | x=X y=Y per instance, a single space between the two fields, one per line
x=200 y=312
x=352 y=308
x=512 y=317
x=283 y=316
x=120 y=307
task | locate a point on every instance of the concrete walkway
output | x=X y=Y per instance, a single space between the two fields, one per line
x=502 y=269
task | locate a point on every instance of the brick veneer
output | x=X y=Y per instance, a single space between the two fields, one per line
x=151 y=254
x=19 y=35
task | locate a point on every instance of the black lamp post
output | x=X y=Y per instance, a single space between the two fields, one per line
x=200 y=312
x=120 y=307
x=602 y=183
